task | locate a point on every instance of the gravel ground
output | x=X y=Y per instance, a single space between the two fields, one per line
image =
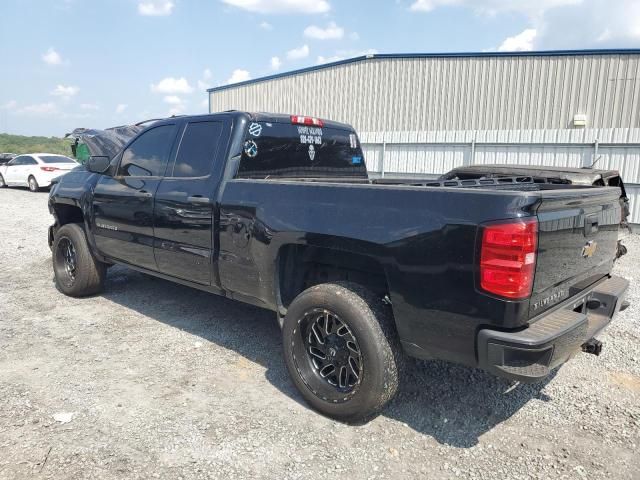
x=155 y=380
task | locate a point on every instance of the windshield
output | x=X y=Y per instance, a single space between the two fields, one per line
x=56 y=159
x=288 y=150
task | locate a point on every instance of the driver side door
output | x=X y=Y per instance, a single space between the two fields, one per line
x=11 y=169
x=122 y=221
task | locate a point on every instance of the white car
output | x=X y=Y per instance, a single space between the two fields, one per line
x=35 y=170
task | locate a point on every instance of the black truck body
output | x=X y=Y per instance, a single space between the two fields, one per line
x=264 y=229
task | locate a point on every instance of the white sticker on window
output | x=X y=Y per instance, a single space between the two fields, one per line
x=353 y=140
x=310 y=135
x=255 y=129
x=312 y=152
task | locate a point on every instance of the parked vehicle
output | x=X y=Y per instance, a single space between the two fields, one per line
x=6 y=157
x=36 y=170
x=507 y=274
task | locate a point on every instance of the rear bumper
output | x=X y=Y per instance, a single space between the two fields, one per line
x=530 y=354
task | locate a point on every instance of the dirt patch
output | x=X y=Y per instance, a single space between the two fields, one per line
x=155 y=380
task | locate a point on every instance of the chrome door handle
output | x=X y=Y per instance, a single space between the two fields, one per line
x=197 y=199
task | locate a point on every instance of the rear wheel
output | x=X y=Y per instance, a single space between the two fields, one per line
x=342 y=350
x=3 y=184
x=33 y=184
x=77 y=272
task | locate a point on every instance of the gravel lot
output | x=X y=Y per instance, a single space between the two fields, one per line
x=155 y=380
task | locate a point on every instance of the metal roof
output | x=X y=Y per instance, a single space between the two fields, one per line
x=385 y=56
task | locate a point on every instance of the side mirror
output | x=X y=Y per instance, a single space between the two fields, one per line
x=98 y=164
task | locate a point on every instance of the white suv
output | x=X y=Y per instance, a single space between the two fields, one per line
x=35 y=170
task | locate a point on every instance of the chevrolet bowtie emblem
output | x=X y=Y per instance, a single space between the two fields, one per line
x=589 y=249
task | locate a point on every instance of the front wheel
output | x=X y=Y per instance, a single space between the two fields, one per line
x=77 y=272
x=342 y=350
x=3 y=184
x=33 y=184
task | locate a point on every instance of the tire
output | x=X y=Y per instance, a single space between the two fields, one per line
x=3 y=184
x=33 y=184
x=364 y=385
x=76 y=270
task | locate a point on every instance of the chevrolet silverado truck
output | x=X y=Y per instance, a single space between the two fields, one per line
x=510 y=275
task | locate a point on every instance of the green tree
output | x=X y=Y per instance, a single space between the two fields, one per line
x=23 y=144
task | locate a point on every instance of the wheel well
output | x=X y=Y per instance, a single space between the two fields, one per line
x=301 y=267
x=68 y=214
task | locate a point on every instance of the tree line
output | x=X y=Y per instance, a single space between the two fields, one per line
x=24 y=144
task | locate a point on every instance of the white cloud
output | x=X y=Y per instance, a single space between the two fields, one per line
x=65 y=92
x=177 y=110
x=121 y=107
x=178 y=106
x=205 y=83
x=39 y=109
x=331 y=32
x=276 y=63
x=172 y=100
x=171 y=86
x=52 y=57
x=519 y=43
x=266 y=26
x=281 y=6
x=569 y=24
x=89 y=106
x=354 y=36
x=591 y=24
x=239 y=75
x=298 y=53
x=494 y=7
x=155 y=8
x=344 y=54
x=10 y=105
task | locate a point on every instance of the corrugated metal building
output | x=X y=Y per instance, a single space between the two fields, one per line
x=424 y=114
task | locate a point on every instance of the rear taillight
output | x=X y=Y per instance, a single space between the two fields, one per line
x=311 y=121
x=508 y=258
x=49 y=169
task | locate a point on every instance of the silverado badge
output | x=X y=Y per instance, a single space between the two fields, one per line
x=589 y=249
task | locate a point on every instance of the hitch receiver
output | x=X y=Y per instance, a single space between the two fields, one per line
x=592 y=346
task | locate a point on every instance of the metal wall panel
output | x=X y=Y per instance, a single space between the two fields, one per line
x=622 y=158
x=633 y=192
x=439 y=151
x=538 y=92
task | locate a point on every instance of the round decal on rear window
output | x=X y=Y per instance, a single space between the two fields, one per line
x=250 y=148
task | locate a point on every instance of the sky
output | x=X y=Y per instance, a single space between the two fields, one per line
x=102 y=63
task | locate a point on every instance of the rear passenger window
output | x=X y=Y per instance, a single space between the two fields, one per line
x=286 y=150
x=197 y=149
x=147 y=156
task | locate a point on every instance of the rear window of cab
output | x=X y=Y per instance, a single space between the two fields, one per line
x=289 y=150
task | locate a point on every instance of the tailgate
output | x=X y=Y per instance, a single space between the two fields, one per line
x=578 y=234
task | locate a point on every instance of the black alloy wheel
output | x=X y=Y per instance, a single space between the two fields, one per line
x=67 y=253
x=342 y=350
x=77 y=272
x=331 y=364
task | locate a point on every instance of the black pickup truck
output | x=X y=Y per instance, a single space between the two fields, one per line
x=507 y=274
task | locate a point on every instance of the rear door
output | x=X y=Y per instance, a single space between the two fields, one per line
x=578 y=234
x=123 y=205
x=185 y=201
x=29 y=167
